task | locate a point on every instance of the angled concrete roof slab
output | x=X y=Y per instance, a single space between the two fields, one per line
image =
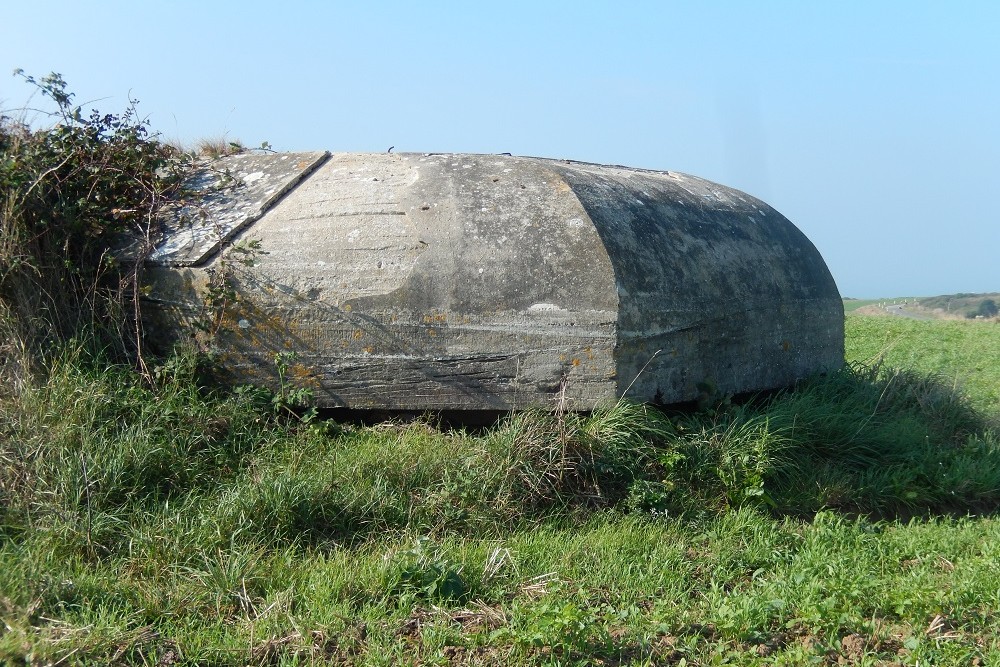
x=227 y=194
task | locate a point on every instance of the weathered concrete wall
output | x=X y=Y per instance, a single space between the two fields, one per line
x=476 y=282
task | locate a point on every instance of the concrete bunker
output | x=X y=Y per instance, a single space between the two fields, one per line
x=489 y=282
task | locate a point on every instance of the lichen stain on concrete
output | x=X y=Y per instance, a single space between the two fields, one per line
x=419 y=282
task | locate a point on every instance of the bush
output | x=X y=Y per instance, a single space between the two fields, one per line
x=78 y=201
x=987 y=308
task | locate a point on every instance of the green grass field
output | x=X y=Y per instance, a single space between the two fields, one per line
x=965 y=353
x=851 y=305
x=850 y=521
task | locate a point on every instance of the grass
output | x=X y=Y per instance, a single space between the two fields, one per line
x=218 y=147
x=848 y=519
x=959 y=353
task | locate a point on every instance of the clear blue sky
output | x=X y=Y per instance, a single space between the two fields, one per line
x=873 y=126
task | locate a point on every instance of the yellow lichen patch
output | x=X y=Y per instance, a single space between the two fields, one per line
x=358 y=333
x=303 y=375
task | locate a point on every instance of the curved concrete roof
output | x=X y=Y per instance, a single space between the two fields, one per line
x=426 y=282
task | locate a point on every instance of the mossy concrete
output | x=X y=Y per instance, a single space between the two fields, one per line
x=491 y=282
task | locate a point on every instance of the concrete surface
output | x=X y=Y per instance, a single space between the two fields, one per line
x=489 y=282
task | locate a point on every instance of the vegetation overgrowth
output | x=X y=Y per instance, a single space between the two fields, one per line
x=148 y=519
x=78 y=202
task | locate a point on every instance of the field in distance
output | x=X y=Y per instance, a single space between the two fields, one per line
x=945 y=307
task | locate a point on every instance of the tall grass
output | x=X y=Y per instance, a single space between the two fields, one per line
x=94 y=443
x=140 y=521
